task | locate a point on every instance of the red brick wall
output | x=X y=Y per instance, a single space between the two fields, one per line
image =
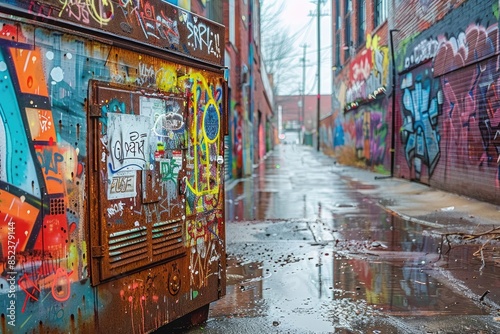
x=445 y=97
x=448 y=103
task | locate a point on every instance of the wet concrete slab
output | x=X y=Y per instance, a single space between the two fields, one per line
x=313 y=250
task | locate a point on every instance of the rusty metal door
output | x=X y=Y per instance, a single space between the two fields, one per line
x=138 y=147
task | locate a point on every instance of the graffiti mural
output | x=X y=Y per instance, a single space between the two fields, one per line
x=366 y=129
x=203 y=179
x=424 y=50
x=237 y=142
x=446 y=95
x=368 y=74
x=360 y=132
x=470 y=106
x=149 y=22
x=421 y=107
x=42 y=180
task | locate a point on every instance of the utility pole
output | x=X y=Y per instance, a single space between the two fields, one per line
x=318 y=15
x=301 y=119
x=319 y=68
x=253 y=131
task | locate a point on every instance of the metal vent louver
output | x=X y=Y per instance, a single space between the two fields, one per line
x=167 y=237
x=127 y=246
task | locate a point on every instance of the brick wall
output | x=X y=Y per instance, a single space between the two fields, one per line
x=448 y=98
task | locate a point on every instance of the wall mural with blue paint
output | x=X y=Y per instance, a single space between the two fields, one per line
x=445 y=97
x=448 y=102
x=357 y=133
x=421 y=104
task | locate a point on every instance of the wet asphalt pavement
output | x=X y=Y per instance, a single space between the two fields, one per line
x=314 y=247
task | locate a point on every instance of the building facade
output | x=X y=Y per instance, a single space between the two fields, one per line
x=415 y=91
x=252 y=130
x=300 y=113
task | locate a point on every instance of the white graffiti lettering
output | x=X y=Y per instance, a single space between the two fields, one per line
x=117 y=208
x=424 y=50
x=202 y=37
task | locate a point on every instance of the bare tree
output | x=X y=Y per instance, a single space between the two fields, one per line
x=277 y=45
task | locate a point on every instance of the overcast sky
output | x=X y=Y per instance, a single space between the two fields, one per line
x=300 y=18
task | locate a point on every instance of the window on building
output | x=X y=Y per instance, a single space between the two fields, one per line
x=361 y=21
x=232 y=22
x=347 y=37
x=338 y=29
x=381 y=11
x=339 y=16
x=347 y=28
x=347 y=6
x=337 y=48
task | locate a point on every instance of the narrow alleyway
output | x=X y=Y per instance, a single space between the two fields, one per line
x=314 y=247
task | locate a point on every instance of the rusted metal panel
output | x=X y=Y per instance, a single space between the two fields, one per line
x=151 y=185
x=146 y=300
x=114 y=181
x=154 y=22
x=141 y=210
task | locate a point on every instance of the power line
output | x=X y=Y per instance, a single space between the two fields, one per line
x=313 y=51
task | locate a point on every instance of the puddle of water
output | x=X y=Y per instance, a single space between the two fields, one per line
x=398 y=288
x=240 y=201
x=289 y=285
x=370 y=230
x=244 y=292
x=377 y=263
x=467 y=268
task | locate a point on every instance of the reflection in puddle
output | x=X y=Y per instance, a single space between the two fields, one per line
x=244 y=290
x=375 y=269
x=398 y=288
x=317 y=251
x=360 y=286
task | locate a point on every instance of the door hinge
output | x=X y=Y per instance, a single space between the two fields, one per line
x=95 y=110
x=97 y=251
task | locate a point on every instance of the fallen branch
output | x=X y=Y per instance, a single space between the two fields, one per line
x=493 y=234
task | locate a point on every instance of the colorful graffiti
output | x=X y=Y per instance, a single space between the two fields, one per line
x=366 y=129
x=42 y=180
x=421 y=107
x=44 y=199
x=150 y=22
x=456 y=71
x=203 y=180
x=471 y=118
x=368 y=71
x=425 y=50
x=446 y=100
x=237 y=130
x=360 y=95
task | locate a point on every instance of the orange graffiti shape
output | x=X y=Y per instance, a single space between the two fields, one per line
x=61 y=288
x=29 y=70
x=21 y=216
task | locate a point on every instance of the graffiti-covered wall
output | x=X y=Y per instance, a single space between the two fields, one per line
x=448 y=101
x=445 y=98
x=357 y=132
x=419 y=136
